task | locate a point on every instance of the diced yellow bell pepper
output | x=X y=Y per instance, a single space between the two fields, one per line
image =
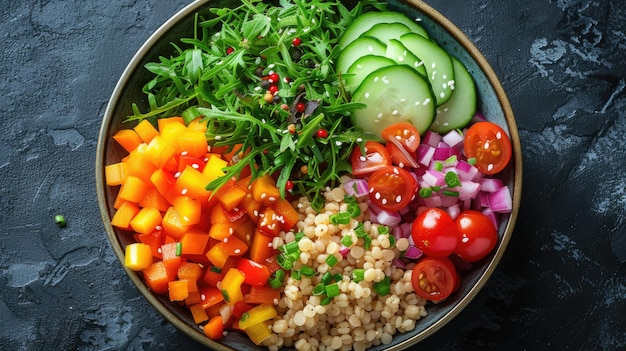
x=138 y=256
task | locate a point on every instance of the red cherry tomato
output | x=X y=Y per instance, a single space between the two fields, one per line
x=405 y=133
x=435 y=233
x=489 y=144
x=435 y=278
x=477 y=235
x=400 y=156
x=376 y=157
x=391 y=188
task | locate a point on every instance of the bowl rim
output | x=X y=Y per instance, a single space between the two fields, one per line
x=426 y=10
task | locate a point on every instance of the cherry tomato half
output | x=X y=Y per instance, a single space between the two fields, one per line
x=402 y=140
x=391 y=188
x=435 y=278
x=489 y=144
x=435 y=233
x=376 y=157
x=405 y=133
x=477 y=235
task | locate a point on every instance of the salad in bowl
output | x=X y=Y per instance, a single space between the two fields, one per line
x=309 y=174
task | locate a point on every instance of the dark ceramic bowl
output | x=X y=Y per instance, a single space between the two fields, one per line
x=492 y=102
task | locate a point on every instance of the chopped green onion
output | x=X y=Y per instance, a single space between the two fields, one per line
x=360 y=231
x=358 y=275
x=215 y=269
x=450 y=192
x=350 y=199
x=225 y=294
x=338 y=277
x=284 y=261
x=383 y=229
x=452 y=179
x=438 y=166
x=307 y=271
x=300 y=235
x=332 y=290
x=327 y=278
x=471 y=161
x=326 y=300
x=392 y=241
x=331 y=260
x=277 y=279
x=346 y=241
x=425 y=192
x=340 y=218
x=290 y=247
x=179 y=248
x=319 y=289
x=354 y=210
x=383 y=287
x=367 y=242
x=60 y=221
x=450 y=160
x=295 y=274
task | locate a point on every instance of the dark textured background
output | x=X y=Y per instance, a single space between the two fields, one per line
x=560 y=286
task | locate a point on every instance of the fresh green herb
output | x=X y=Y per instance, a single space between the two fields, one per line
x=332 y=290
x=383 y=287
x=331 y=260
x=277 y=278
x=340 y=218
x=307 y=271
x=60 y=221
x=242 y=74
x=358 y=275
x=346 y=241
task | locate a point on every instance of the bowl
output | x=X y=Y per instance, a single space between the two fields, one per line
x=493 y=103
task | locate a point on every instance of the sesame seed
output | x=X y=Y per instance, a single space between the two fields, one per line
x=271 y=198
x=395 y=112
x=218 y=137
x=367 y=95
x=263 y=195
x=398 y=198
x=363 y=158
x=184 y=191
x=358 y=140
x=498 y=135
x=395 y=170
x=377 y=196
x=380 y=115
x=370 y=49
x=195 y=166
x=237 y=251
x=384 y=201
x=433 y=65
x=486 y=146
x=186 y=219
x=184 y=153
x=371 y=190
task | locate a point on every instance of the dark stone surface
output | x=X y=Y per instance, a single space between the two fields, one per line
x=561 y=284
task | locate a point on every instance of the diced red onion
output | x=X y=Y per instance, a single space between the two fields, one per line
x=402 y=231
x=468 y=190
x=453 y=210
x=491 y=185
x=453 y=138
x=356 y=187
x=433 y=201
x=448 y=200
x=412 y=252
x=465 y=171
x=434 y=178
x=431 y=138
x=500 y=201
x=344 y=251
x=482 y=199
x=442 y=153
x=425 y=154
x=478 y=117
x=493 y=217
x=398 y=263
x=388 y=218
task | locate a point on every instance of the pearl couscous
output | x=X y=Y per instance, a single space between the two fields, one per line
x=356 y=317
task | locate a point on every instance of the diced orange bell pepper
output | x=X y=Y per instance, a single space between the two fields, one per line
x=171 y=132
x=220 y=231
x=128 y=139
x=199 y=313
x=173 y=224
x=233 y=246
x=146 y=220
x=178 y=290
x=245 y=231
x=138 y=256
x=189 y=271
x=258 y=332
x=261 y=247
x=188 y=160
x=230 y=195
x=269 y=222
x=188 y=209
x=194 y=242
x=193 y=142
x=264 y=190
x=133 y=189
x=171 y=259
x=210 y=296
x=240 y=308
x=115 y=174
x=139 y=165
x=154 y=240
x=164 y=181
x=217 y=255
x=192 y=183
x=156 y=277
x=262 y=295
x=231 y=286
x=214 y=329
x=124 y=214
x=162 y=122
x=251 y=206
x=193 y=298
x=146 y=130
x=213 y=168
x=154 y=199
x=289 y=215
x=199 y=124
x=159 y=152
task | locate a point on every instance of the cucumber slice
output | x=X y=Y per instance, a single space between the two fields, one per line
x=401 y=55
x=362 y=67
x=366 y=21
x=460 y=109
x=386 y=31
x=394 y=94
x=360 y=47
x=437 y=62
